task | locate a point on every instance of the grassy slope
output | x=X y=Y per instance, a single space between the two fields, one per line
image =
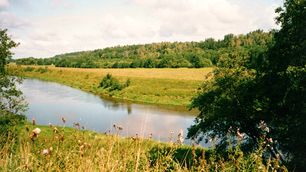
x=77 y=150
x=154 y=86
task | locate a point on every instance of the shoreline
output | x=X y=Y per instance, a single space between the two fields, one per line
x=172 y=94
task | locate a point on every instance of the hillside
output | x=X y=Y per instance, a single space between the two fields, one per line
x=209 y=52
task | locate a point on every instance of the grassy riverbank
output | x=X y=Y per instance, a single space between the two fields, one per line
x=155 y=86
x=54 y=148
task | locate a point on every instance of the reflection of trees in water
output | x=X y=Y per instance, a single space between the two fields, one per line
x=115 y=105
x=129 y=109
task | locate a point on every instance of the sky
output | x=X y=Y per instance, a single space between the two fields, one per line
x=45 y=28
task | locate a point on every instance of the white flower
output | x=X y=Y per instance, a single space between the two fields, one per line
x=36 y=131
x=45 y=152
x=180 y=138
x=239 y=134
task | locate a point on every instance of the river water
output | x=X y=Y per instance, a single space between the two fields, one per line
x=49 y=102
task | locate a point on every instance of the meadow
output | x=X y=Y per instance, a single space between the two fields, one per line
x=58 y=148
x=171 y=87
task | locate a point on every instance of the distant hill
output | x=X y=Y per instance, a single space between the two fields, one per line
x=205 y=53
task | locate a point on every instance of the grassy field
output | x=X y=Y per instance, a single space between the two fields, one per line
x=54 y=148
x=155 y=86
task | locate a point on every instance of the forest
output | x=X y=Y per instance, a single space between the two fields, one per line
x=209 y=52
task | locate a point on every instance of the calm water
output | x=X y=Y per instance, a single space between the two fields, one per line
x=49 y=101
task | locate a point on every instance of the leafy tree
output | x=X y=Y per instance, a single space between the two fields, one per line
x=11 y=99
x=12 y=103
x=261 y=95
x=284 y=75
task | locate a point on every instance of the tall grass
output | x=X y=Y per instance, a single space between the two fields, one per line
x=67 y=149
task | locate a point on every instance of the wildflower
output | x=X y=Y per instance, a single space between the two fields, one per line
x=64 y=120
x=33 y=121
x=61 y=137
x=180 y=138
x=77 y=125
x=45 y=152
x=36 y=131
x=135 y=138
x=55 y=130
x=82 y=147
x=239 y=135
x=119 y=128
x=263 y=126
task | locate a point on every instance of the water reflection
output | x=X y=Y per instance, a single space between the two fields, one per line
x=48 y=102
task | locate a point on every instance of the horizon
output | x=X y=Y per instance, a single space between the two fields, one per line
x=51 y=27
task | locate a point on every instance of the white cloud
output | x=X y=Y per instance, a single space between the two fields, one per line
x=11 y=21
x=4 y=3
x=137 y=21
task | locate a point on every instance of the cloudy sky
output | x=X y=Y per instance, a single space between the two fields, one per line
x=48 y=27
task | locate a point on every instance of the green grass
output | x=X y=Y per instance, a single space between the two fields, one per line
x=72 y=149
x=154 y=86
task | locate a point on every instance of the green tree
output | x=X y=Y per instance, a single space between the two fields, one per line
x=284 y=76
x=12 y=104
x=11 y=100
x=262 y=96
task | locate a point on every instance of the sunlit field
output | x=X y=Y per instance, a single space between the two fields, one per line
x=154 y=86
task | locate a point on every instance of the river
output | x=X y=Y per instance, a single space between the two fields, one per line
x=49 y=102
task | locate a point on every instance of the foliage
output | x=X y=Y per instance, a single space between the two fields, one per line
x=42 y=70
x=66 y=149
x=5 y=45
x=9 y=126
x=205 y=53
x=265 y=88
x=28 y=69
x=11 y=99
x=285 y=77
x=112 y=84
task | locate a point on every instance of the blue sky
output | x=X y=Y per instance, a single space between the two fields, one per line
x=45 y=28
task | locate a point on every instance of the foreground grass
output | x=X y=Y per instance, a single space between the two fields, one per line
x=154 y=86
x=68 y=149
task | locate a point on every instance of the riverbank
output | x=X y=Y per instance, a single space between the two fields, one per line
x=165 y=87
x=58 y=148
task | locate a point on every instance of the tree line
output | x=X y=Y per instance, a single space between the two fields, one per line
x=209 y=52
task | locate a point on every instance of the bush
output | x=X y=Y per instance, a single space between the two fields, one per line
x=28 y=69
x=42 y=70
x=112 y=84
x=8 y=123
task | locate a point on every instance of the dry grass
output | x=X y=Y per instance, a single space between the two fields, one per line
x=163 y=73
x=66 y=149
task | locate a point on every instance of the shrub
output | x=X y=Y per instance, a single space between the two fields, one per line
x=112 y=84
x=8 y=123
x=28 y=69
x=42 y=70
